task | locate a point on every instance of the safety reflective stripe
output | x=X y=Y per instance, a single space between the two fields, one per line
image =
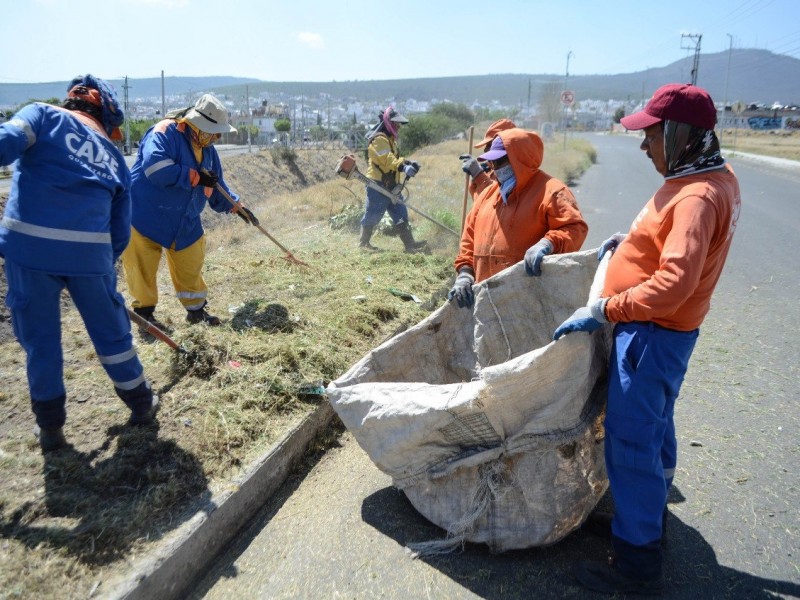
x=50 y=233
x=129 y=385
x=669 y=473
x=26 y=129
x=115 y=359
x=192 y=294
x=162 y=164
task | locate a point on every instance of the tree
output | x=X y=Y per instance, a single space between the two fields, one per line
x=618 y=114
x=283 y=125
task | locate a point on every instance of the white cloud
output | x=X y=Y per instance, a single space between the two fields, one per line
x=312 y=40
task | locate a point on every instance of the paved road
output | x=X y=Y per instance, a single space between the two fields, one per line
x=339 y=529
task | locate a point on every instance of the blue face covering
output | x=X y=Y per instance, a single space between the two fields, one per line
x=505 y=176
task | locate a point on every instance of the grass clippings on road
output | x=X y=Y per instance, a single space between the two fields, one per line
x=75 y=519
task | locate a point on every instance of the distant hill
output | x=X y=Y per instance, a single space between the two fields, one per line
x=14 y=94
x=754 y=76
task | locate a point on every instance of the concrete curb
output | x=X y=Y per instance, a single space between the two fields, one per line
x=177 y=565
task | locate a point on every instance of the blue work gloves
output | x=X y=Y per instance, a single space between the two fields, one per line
x=610 y=244
x=470 y=164
x=207 y=179
x=586 y=318
x=535 y=255
x=462 y=289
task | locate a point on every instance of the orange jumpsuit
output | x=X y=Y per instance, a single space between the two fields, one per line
x=496 y=235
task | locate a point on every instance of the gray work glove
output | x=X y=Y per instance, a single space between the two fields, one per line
x=535 y=255
x=410 y=170
x=586 y=318
x=610 y=244
x=470 y=164
x=462 y=289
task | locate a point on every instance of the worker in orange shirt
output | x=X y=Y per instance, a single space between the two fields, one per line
x=657 y=292
x=523 y=214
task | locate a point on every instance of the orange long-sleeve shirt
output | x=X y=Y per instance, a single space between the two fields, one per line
x=497 y=235
x=669 y=263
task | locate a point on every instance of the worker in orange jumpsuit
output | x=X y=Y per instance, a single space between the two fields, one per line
x=524 y=214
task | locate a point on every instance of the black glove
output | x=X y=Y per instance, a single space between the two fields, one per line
x=246 y=214
x=208 y=179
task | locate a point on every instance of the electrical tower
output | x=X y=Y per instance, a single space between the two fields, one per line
x=696 y=38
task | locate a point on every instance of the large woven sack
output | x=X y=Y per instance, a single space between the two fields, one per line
x=492 y=430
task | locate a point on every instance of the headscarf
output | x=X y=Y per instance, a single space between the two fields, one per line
x=689 y=149
x=100 y=95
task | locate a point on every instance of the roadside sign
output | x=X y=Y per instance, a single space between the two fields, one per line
x=567 y=97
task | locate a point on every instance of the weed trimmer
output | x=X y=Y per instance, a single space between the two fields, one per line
x=289 y=256
x=155 y=331
x=347 y=168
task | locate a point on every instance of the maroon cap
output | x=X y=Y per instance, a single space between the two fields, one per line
x=679 y=102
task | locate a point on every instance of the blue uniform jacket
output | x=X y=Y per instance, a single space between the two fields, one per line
x=166 y=208
x=69 y=210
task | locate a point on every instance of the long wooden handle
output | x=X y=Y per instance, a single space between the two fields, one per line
x=466 y=182
x=153 y=330
x=233 y=202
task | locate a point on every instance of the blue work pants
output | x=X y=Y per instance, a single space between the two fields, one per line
x=377 y=204
x=648 y=365
x=34 y=299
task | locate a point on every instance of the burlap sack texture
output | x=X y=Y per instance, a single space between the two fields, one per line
x=492 y=430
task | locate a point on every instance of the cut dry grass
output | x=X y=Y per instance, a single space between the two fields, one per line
x=778 y=143
x=78 y=517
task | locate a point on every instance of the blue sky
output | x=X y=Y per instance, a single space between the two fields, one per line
x=303 y=40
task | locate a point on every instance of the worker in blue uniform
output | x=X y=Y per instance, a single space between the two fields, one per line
x=175 y=175
x=66 y=222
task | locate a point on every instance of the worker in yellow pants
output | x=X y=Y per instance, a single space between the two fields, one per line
x=176 y=175
x=140 y=262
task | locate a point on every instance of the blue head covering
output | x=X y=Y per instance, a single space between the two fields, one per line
x=96 y=91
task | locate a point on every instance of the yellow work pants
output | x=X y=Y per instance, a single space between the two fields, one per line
x=140 y=262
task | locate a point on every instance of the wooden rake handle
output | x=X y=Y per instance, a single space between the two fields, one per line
x=289 y=256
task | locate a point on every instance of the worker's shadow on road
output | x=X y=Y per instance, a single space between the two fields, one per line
x=95 y=510
x=690 y=563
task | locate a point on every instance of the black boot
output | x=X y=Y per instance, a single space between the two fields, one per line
x=404 y=231
x=142 y=402
x=599 y=524
x=201 y=316
x=366 y=235
x=148 y=314
x=50 y=438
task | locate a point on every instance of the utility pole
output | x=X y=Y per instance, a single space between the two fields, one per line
x=727 y=79
x=696 y=38
x=163 y=103
x=564 y=110
x=127 y=147
x=249 y=116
